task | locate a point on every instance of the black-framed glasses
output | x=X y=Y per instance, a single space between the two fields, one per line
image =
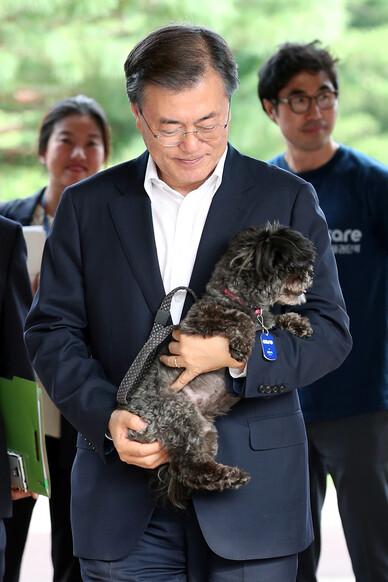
x=175 y=137
x=302 y=103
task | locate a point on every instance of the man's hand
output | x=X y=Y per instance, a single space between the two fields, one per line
x=16 y=494
x=147 y=456
x=198 y=355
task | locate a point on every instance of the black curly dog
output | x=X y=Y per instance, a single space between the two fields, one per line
x=262 y=266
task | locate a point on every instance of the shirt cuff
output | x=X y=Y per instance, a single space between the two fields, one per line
x=237 y=373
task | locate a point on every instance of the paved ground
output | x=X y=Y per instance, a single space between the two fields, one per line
x=334 y=565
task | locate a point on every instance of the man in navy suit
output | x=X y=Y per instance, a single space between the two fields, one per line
x=15 y=300
x=120 y=241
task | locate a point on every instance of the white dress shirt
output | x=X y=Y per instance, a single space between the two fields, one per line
x=178 y=223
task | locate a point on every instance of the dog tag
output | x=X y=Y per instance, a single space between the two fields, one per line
x=268 y=346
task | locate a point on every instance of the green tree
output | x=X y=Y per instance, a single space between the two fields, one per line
x=50 y=49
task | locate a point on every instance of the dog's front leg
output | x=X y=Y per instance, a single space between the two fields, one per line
x=295 y=324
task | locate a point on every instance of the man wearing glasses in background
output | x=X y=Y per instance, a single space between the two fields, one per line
x=346 y=411
x=120 y=241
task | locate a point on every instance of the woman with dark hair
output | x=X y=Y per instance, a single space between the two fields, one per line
x=74 y=142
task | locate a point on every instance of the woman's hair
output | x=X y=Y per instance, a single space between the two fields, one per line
x=78 y=105
x=176 y=57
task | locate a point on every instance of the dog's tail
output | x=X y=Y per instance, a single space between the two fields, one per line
x=170 y=489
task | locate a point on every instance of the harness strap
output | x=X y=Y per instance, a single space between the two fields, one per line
x=159 y=332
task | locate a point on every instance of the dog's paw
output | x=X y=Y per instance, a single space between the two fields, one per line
x=212 y=476
x=240 y=352
x=295 y=324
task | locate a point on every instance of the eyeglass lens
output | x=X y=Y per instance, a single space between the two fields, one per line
x=302 y=103
x=176 y=137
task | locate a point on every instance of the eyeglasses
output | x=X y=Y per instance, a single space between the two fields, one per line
x=175 y=137
x=302 y=103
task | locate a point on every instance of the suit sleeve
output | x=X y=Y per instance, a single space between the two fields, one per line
x=300 y=362
x=57 y=334
x=17 y=298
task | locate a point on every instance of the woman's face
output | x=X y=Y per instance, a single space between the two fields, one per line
x=75 y=150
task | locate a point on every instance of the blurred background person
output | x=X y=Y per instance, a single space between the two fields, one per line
x=74 y=143
x=15 y=300
x=346 y=412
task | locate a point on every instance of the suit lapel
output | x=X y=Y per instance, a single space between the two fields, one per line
x=137 y=236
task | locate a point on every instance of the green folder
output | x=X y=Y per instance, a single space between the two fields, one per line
x=22 y=411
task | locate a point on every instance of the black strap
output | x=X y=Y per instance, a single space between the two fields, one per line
x=159 y=332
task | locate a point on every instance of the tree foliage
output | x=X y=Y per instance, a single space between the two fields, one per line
x=50 y=49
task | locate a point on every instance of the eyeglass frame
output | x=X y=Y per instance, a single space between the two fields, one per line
x=184 y=133
x=310 y=100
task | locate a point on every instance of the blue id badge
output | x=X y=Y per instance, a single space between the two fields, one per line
x=268 y=346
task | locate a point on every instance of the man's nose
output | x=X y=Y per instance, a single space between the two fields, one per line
x=190 y=141
x=314 y=109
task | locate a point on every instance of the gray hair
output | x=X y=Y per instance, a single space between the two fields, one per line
x=176 y=57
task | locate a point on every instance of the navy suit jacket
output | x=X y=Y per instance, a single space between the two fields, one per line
x=15 y=300
x=100 y=289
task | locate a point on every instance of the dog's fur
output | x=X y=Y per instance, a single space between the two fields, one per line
x=262 y=266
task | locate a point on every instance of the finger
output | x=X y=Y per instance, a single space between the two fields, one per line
x=152 y=461
x=123 y=419
x=174 y=348
x=176 y=334
x=182 y=380
x=148 y=449
x=172 y=361
x=130 y=450
x=148 y=455
x=135 y=422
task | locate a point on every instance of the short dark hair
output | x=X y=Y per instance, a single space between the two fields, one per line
x=288 y=61
x=78 y=105
x=176 y=57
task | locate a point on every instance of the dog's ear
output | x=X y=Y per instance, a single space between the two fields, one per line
x=253 y=250
x=243 y=259
x=268 y=254
x=267 y=257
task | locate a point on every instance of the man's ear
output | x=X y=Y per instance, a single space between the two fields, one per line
x=136 y=113
x=270 y=109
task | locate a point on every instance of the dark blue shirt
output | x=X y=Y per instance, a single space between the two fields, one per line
x=353 y=193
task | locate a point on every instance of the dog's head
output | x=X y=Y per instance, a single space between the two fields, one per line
x=269 y=264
